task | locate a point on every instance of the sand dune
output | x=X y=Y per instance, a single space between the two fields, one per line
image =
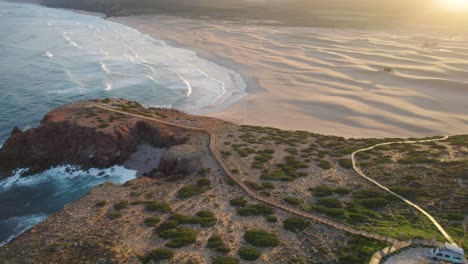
x=333 y=81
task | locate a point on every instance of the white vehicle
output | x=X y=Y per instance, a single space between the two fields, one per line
x=448 y=253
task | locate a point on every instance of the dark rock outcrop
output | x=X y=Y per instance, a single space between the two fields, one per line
x=60 y=140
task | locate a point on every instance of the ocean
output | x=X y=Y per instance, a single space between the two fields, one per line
x=50 y=57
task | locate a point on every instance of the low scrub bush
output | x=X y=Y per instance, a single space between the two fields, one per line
x=255 y=209
x=345 y=163
x=158 y=255
x=249 y=253
x=157 y=207
x=261 y=238
x=189 y=191
x=121 y=205
x=225 y=260
x=277 y=175
x=204 y=182
x=295 y=224
x=268 y=185
x=322 y=191
x=216 y=242
x=325 y=164
x=152 y=221
x=253 y=185
x=181 y=236
x=292 y=200
x=238 y=201
x=330 y=202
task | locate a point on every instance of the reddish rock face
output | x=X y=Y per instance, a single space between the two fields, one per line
x=64 y=137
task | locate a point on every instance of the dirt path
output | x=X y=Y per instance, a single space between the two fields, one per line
x=359 y=171
x=252 y=193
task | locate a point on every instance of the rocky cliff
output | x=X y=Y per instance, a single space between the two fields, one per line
x=80 y=134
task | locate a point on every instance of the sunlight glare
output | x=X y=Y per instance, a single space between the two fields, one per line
x=454 y=5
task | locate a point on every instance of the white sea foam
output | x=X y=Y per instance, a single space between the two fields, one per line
x=104 y=67
x=20 y=224
x=48 y=54
x=108 y=87
x=187 y=84
x=67 y=38
x=119 y=175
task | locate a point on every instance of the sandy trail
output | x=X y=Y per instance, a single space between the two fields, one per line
x=332 y=81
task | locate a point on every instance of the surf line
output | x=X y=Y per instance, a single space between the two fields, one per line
x=104 y=67
x=223 y=85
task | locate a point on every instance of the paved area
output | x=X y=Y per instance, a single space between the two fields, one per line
x=412 y=256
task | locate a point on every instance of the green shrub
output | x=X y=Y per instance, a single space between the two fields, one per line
x=263 y=158
x=295 y=224
x=121 y=205
x=238 y=201
x=292 y=151
x=255 y=209
x=268 y=151
x=249 y=253
x=322 y=191
x=272 y=219
x=115 y=215
x=204 y=219
x=103 y=125
x=217 y=243
x=454 y=216
x=175 y=178
x=277 y=175
x=204 y=182
x=152 y=221
x=332 y=212
x=205 y=213
x=345 y=163
x=373 y=203
x=105 y=101
x=225 y=260
x=158 y=255
x=158 y=207
x=100 y=203
x=214 y=241
x=342 y=190
x=189 y=191
x=292 y=200
x=368 y=193
x=261 y=238
x=226 y=153
x=324 y=164
x=253 y=185
x=268 y=185
x=330 y=202
x=181 y=236
x=258 y=165
x=294 y=162
x=168 y=224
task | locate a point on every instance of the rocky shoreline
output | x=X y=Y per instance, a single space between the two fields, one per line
x=81 y=135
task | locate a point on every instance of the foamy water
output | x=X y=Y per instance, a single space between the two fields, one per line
x=26 y=201
x=49 y=57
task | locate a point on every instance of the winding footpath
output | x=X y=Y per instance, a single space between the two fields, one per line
x=258 y=197
x=359 y=171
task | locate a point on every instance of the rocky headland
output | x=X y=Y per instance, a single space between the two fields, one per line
x=189 y=210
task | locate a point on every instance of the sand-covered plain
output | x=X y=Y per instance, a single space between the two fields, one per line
x=332 y=81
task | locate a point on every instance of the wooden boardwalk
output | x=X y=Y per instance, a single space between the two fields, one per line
x=252 y=193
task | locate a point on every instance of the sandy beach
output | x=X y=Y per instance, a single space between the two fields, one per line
x=332 y=81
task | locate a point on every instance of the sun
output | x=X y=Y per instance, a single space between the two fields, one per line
x=454 y=5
